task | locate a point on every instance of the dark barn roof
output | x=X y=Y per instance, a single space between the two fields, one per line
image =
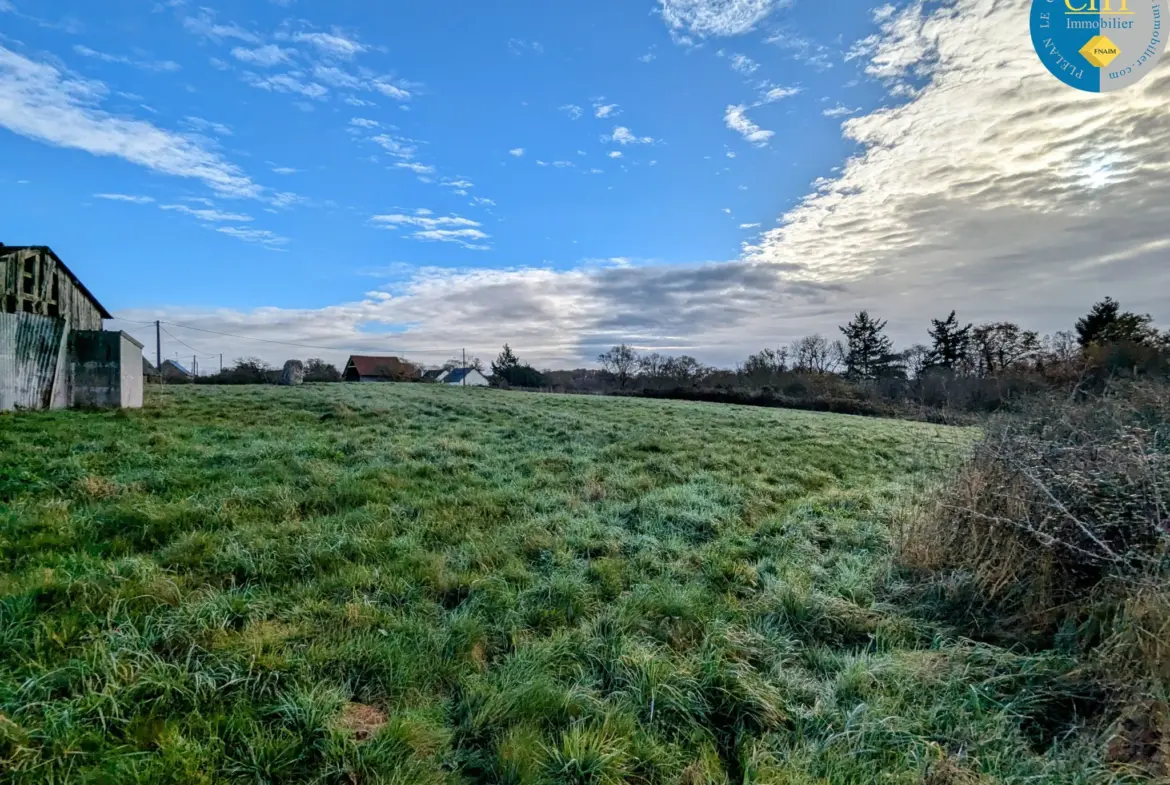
x=380 y=367
x=6 y=249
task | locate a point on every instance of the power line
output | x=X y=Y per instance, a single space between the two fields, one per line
x=189 y=346
x=290 y=343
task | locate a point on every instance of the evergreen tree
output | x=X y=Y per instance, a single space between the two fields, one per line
x=508 y=369
x=1107 y=323
x=505 y=363
x=951 y=349
x=868 y=350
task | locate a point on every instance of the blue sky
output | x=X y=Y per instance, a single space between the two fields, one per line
x=338 y=173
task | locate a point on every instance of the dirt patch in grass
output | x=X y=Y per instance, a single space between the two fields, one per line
x=360 y=720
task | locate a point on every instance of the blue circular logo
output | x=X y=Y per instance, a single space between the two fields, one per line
x=1099 y=45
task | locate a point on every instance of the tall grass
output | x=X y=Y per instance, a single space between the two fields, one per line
x=408 y=584
x=1055 y=534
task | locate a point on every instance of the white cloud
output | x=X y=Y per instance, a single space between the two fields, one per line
x=260 y=236
x=606 y=110
x=744 y=64
x=287 y=83
x=285 y=170
x=572 y=110
x=984 y=186
x=40 y=102
x=773 y=94
x=563 y=164
x=615 y=154
x=737 y=120
x=209 y=214
x=749 y=226
x=146 y=65
x=482 y=201
x=205 y=26
x=516 y=151
x=840 y=110
x=203 y=126
x=417 y=168
x=397 y=147
x=265 y=56
x=542 y=163
x=387 y=88
x=362 y=122
x=444 y=228
x=461 y=182
x=803 y=49
x=647 y=58
x=623 y=135
x=716 y=17
x=334 y=44
x=518 y=47
x=125 y=198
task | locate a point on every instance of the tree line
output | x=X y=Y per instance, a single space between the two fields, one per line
x=962 y=366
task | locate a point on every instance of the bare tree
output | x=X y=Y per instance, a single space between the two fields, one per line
x=916 y=359
x=998 y=346
x=650 y=365
x=684 y=369
x=621 y=361
x=766 y=363
x=812 y=354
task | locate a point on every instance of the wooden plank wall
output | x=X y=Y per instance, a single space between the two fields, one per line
x=32 y=282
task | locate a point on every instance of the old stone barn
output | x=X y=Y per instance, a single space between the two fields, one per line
x=53 y=351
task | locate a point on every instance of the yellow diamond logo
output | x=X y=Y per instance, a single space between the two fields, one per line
x=1100 y=51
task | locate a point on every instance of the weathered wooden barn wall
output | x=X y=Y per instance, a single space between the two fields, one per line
x=32 y=281
x=30 y=350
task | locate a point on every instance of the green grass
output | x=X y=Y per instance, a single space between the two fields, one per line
x=530 y=589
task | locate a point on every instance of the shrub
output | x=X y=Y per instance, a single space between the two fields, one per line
x=1053 y=504
x=1060 y=520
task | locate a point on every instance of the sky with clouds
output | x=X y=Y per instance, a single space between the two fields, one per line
x=706 y=177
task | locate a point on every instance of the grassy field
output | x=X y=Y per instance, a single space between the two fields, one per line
x=409 y=584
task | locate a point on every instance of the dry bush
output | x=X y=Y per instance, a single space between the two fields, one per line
x=1060 y=518
x=1056 y=504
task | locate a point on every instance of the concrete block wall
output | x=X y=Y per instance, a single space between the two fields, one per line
x=105 y=369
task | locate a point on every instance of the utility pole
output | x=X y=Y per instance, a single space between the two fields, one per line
x=158 y=349
x=194 y=368
x=465 y=367
x=221 y=364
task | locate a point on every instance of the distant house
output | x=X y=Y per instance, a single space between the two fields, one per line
x=464 y=377
x=365 y=368
x=434 y=374
x=172 y=371
x=149 y=372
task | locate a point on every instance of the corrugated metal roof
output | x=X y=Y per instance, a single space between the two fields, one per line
x=29 y=348
x=5 y=249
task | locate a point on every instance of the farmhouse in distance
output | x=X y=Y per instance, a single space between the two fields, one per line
x=367 y=368
x=466 y=377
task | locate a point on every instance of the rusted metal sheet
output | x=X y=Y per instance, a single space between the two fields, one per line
x=30 y=347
